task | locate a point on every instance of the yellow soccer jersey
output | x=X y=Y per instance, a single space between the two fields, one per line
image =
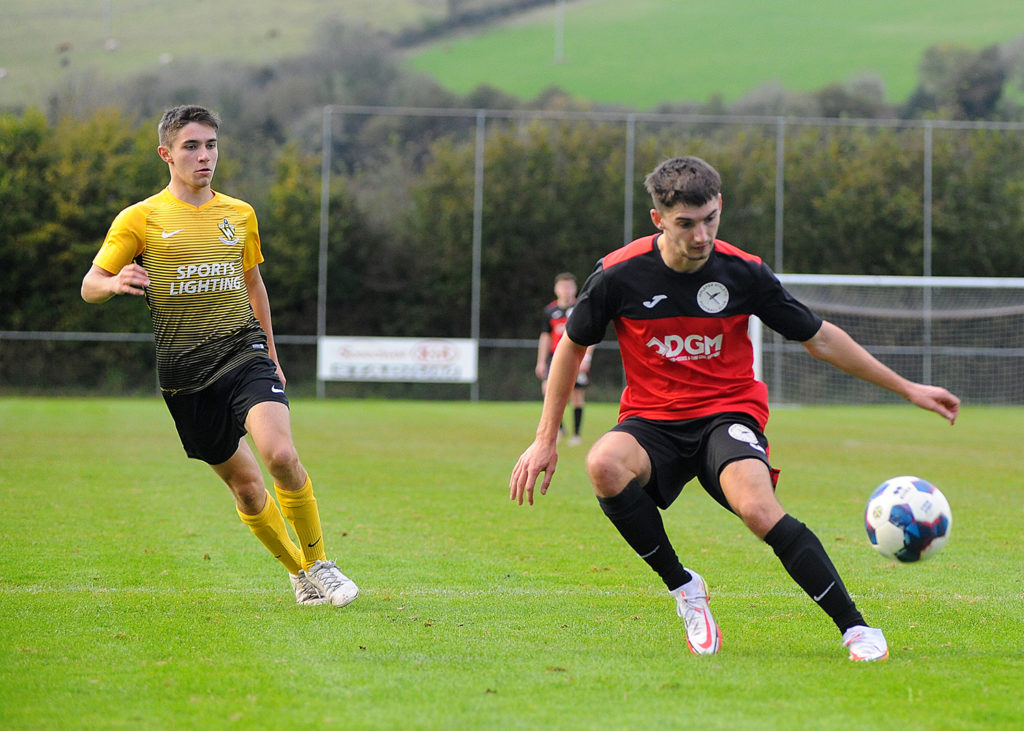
x=203 y=323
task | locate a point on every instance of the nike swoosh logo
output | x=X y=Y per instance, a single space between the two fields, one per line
x=169 y=234
x=315 y=542
x=655 y=300
x=706 y=643
x=275 y=389
x=822 y=594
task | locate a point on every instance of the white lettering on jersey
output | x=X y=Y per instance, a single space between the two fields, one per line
x=689 y=347
x=203 y=278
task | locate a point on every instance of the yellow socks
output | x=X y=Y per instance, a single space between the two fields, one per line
x=299 y=507
x=268 y=526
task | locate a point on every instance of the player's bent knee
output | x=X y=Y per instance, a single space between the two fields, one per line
x=760 y=517
x=250 y=495
x=607 y=474
x=281 y=460
x=614 y=461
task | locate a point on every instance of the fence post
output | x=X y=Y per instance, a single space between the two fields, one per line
x=478 y=217
x=325 y=203
x=926 y=360
x=628 y=173
x=780 y=190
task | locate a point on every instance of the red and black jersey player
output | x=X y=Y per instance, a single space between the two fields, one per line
x=556 y=314
x=680 y=300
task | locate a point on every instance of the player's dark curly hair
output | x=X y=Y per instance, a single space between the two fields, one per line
x=177 y=117
x=688 y=180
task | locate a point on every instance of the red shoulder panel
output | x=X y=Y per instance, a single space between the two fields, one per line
x=634 y=248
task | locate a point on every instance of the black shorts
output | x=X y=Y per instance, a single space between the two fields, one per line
x=212 y=420
x=701 y=448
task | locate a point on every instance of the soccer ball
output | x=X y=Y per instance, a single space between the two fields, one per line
x=907 y=519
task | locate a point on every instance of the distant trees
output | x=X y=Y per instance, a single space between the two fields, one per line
x=958 y=83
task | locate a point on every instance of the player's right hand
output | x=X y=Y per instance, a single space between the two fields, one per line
x=538 y=458
x=132 y=279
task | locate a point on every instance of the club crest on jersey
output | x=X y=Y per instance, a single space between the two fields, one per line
x=713 y=297
x=228 y=230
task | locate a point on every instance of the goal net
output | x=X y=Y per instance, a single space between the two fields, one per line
x=966 y=334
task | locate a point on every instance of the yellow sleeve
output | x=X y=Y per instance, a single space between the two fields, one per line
x=252 y=254
x=125 y=240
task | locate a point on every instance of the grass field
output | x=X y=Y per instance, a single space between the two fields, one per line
x=133 y=597
x=646 y=52
x=259 y=31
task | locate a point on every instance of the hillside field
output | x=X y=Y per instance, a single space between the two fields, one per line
x=637 y=54
x=148 y=33
x=646 y=52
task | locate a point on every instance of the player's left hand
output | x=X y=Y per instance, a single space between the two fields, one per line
x=937 y=399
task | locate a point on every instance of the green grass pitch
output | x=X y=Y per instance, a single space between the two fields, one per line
x=133 y=596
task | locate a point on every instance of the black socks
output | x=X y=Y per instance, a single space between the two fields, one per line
x=636 y=517
x=805 y=559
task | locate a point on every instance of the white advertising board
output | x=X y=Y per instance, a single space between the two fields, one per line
x=414 y=360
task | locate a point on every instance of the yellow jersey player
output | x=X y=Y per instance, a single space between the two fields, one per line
x=194 y=254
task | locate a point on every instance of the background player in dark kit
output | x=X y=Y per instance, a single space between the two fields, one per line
x=680 y=301
x=556 y=313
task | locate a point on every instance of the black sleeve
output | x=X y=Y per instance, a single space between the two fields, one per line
x=593 y=311
x=783 y=312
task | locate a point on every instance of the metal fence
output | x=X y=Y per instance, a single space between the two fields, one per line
x=636 y=128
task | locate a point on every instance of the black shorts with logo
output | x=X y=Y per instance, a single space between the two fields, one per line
x=212 y=420
x=701 y=448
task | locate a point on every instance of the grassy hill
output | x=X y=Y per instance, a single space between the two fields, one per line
x=645 y=52
x=639 y=53
x=112 y=39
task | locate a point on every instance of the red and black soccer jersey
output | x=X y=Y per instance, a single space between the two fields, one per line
x=683 y=337
x=555 y=317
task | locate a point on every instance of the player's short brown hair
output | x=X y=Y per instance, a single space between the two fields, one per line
x=177 y=117
x=565 y=276
x=688 y=180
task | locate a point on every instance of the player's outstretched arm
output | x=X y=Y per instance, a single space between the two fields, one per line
x=834 y=345
x=542 y=456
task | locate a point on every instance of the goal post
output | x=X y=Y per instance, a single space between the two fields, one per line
x=964 y=333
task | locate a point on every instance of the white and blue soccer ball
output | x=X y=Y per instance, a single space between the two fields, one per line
x=907 y=519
